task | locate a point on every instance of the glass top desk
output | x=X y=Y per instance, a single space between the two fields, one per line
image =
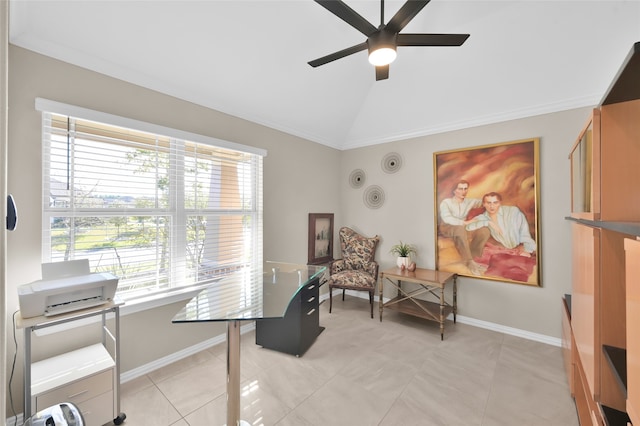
x=247 y=296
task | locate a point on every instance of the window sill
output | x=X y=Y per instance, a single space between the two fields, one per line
x=140 y=304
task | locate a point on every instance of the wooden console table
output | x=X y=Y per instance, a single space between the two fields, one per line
x=429 y=282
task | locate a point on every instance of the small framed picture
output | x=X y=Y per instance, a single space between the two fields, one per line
x=320 y=238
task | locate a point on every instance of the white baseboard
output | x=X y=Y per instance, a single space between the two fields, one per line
x=177 y=356
x=553 y=341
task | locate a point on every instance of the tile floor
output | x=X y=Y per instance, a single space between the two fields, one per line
x=361 y=371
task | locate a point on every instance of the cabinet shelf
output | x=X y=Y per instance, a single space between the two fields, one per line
x=617 y=360
x=613 y=417
x=69 y=367
x=626 y=86
x=630 y=228
x=417 y=307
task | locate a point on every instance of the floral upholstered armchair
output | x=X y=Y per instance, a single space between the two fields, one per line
x=357 y=269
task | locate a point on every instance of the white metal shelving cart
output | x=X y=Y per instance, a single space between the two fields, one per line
x=88 y=377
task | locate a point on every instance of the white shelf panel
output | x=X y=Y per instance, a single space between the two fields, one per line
x=75 y=365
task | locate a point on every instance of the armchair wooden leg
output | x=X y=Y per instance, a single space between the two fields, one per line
x=371 y=303
x=330 y=299
x=343 y=290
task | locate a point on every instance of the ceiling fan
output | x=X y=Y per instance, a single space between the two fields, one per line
x=383 y=40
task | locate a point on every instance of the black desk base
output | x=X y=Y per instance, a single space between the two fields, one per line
x=300 y=326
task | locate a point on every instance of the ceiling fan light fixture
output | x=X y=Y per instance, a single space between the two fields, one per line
x=382 y=56
x=382 y=41
x=382 y=48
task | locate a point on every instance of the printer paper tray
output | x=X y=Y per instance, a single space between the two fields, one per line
x=73 y=306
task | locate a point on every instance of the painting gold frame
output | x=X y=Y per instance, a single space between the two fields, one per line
x=475 y=238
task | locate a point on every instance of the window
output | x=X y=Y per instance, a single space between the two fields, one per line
x=157 y=207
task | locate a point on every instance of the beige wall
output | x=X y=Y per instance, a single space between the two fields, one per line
x=408 y=214
x=300 y=177
x=4 y=68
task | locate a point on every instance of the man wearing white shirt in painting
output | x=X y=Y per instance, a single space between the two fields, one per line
x=507 y=224
x=453 y=213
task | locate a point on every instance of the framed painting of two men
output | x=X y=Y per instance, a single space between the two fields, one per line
x=487 y=204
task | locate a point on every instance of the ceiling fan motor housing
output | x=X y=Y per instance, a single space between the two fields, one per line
x=382 y=38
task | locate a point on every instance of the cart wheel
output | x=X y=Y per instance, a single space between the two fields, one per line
x=120 y=419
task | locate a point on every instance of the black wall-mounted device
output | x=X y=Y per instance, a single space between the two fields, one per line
x=12 y=213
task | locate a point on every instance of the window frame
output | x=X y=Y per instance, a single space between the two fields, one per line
x=172 y=293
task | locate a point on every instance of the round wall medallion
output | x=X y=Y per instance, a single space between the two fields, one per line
x=391 y=162
x=357 y=178
x=373 y=197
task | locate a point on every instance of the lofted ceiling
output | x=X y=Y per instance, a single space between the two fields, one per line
x=249 y=59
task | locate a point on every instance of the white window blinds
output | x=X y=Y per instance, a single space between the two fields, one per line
x=159 y=211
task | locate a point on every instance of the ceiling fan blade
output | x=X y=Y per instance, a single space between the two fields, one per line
x=431 y=39
x=406 y=13
x=337 y=55
x=348 y=15
x=382 y=72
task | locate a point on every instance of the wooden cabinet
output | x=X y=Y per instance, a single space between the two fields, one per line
x=568 y=345
x=598 y=321
x=632 y=248
x=604 y=163
x=587 y=408
x=620 y=155
x=612 y=318
x=299 y=328
x=605 y=211
x=585 y=171
x=584 y=302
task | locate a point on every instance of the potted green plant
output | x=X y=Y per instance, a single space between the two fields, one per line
x=404 y=252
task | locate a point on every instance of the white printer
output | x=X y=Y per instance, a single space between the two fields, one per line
x=65 y=287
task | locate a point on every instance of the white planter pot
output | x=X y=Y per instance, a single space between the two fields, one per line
x=406 y=261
